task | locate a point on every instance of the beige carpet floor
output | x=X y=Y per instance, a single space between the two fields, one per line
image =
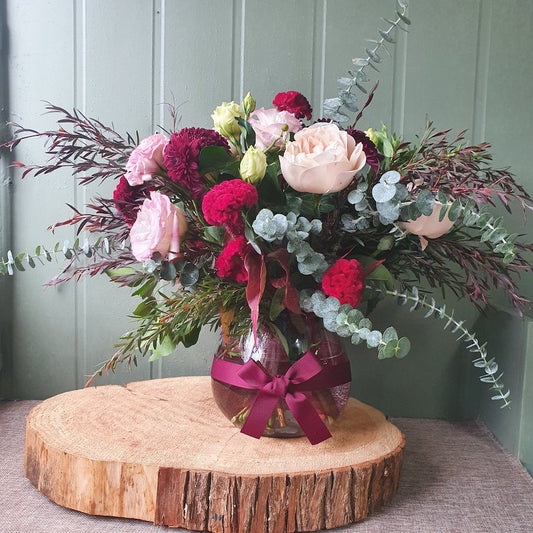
x=456 y=479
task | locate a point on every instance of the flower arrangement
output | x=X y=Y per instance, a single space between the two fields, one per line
x=273 y=212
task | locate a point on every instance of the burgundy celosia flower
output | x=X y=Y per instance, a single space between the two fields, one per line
x=181 y=157
x=223 y=203
x=230 y=263
x=373 y=157
x=293 y=102
x=128 y=199
x=345 y=281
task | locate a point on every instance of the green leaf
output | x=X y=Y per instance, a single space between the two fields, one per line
x=162 y=349
x=386 y=36
x=455 y=210
x=327 y=203
x=191 y=338
x=381 y=273
x=336 y=116
x=215 y=233
x=146 y=289
x=385 y=243
x=18 y=261
x=387 y=149
x=120 y=272
x=145 y=307
x=425 y=202
x=269 y=189
x=277 y=305
x=403 y=348
x=168 y=271
x=413 y=212
x=248 y=133
x=345 y=82
x=332 y=104
x=349 y=101
x=389 y=350
x=189 y=274
x=281 y=337
x=403 y=18
x=390 y=334
x=213 y=158
x=442 y=197
x=373 y=56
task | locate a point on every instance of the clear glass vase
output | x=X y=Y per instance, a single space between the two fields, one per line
x=279 y=345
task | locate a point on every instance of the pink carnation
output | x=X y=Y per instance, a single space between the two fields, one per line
x=159 y=227
x=269 y=126
x=182 y=153
x=230 y=263
x=223 y=203
x=145 y=160
x=345 y=281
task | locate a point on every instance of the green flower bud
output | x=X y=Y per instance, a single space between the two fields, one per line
x=371 y=134
x=224 y=120
x=253 y=165
x=248 y=104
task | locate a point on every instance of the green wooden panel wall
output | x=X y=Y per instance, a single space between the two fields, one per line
x=464 y=64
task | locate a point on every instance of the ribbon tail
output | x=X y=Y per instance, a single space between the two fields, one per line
x=259 y=414
x=305 y=414
x=255 y=266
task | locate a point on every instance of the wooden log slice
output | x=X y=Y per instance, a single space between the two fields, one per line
x=161 y=451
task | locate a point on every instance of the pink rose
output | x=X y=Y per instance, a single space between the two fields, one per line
x=146 y=159
x=159 y=227
x=269 y=126
x=321 y=159
x=428 y=226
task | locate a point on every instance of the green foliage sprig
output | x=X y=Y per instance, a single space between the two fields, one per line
x=164 y=320
x=349 y=322
x=489 y=366
x=346 y=98
x=105 y=251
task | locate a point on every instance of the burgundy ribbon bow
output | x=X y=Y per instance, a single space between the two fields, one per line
x=306 y=374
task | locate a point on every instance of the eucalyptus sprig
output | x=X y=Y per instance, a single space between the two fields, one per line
x=346 y=98
x=349 y=322
x=492 y=376
x=105 y=251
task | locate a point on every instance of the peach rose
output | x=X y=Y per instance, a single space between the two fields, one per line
x=159 y=227
x=321 y=159
x=428 y=225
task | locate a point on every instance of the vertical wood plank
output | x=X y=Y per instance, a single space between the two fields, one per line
x=348 y=25
x=40 y=68
x=117 y=76
x=198 y=57
x=278 y=48
x=441 y=65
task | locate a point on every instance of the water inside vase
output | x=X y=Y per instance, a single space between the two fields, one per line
x=277 y=347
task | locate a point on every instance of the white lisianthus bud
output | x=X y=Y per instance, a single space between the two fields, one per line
x=224 y=120
x=248 y=104
x=253 y=165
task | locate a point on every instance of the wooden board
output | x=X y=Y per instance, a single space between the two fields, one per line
x=161 y=451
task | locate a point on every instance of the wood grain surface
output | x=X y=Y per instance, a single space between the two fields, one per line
x=161 y=451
